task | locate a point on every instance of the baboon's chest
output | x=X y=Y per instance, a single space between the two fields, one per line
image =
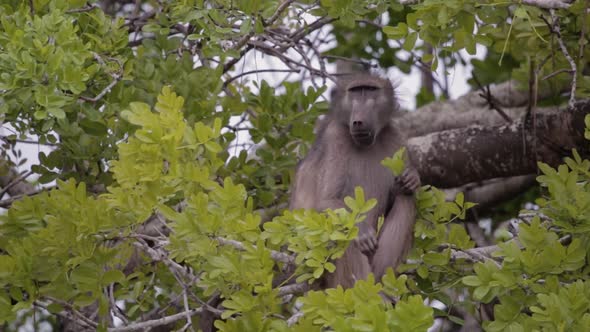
x=376 y=180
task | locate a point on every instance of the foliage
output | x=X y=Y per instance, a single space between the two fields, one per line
x=159 y=206
x=540 y=282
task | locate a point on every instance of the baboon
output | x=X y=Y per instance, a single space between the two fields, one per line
x=353 y=139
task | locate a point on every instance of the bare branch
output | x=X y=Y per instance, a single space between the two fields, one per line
x=9 y=180
x=270 y=50
x=144 y=326
x=294 y=319
x=114 y=307
x=276 y=255
x=84 y=9
x=15 y=182
x=492 y=102
x=556 y=29
x=77 y=314
x=116 y=78
x=107 y=89
x=582 y=41
x=306 y=30
x=548 y=4
x=245 y=40
x=555 y=73
x=480 y=254
x=66 y=315
x=159 y=255
x=293 y=289
x=187 y=310
x=280 y=9
x=8 y=202
x=231 y=79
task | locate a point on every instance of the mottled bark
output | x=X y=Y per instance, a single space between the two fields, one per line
x=470 y=109
x=8 y=176
x=455 y=157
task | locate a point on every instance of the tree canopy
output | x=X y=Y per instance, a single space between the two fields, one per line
x=161 y=204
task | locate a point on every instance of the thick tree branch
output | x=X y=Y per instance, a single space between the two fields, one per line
x=470 y=109
x=548 y=4
x=455 y=157
x=492 y=192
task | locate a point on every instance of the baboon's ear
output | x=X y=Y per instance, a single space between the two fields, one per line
x=333 y=93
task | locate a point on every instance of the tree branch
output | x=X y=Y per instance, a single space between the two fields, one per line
x=548 y=4
x=14 y=183
x=84 y=9
x=157 y=322
x=556 y=29
x=276 y=255
x=455 y=157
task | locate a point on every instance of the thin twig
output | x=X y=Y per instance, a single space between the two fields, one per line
x=268 y=49
x=362 y=62
x=65 y=314
x=582 y=40
x=532 y=104
x=307 y=61
x=23 y=141
x=280 y=9
x=555 y=73
x=231 y=79
x=492 y=103
x=9 y=201
x=115 y=308
x=116 y=78
x=186 y=310
x=557 y=31
x=159 y=255
x=156 y=322
x=15 y=182
x=84 y=9
x=307 y=29
x=276 y=255
x=70 y=308
x=245 y=39
x=106 y=90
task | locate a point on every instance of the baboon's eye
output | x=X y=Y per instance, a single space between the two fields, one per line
x=362 y=88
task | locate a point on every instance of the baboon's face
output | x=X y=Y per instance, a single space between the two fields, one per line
x=369 y=108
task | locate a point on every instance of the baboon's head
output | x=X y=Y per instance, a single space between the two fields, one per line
x=365 y=104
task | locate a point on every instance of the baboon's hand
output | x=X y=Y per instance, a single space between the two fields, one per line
x=409 y=180
x=366 y=240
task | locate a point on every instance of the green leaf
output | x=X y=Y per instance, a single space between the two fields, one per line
x=410 y=41
x=481 y=292
x=94 y=128
x=520 y=12
x=57 y=112
x=472 y=281
x=439 y=259
x=113 y=276
x=396 y=163
x=397 y=32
